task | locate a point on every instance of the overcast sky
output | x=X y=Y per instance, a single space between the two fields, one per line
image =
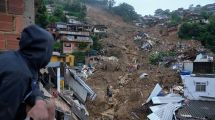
x=146 y=7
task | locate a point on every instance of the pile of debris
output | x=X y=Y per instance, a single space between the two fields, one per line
x=145 y=41
x=71 y=93
x=197 y=78
x=131 y=92
x=164 y=106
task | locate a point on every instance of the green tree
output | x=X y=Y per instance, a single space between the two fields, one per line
x=76 y=8
x=58 y=14
x=79 y=57
x=202 y=32
x=175 y=18
x=41 y=17
x=159 y=12
x=205 y=14
x=126 y=11
x=192 y=30
x=167 y=12
x=83 y=45
x=96 y=45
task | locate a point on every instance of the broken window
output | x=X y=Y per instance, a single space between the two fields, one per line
x=200 y=87
x=67 y=45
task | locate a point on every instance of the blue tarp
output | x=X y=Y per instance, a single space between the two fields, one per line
x=185 y=73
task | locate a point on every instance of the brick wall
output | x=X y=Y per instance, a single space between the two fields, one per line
x=14 y=16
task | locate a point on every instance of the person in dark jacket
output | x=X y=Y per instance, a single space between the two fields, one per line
x=19 y=74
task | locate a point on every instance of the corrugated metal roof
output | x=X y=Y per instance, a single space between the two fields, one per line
x=155 y=92
x=153 y=116
x=172 y=95
x=91 y=93
x=163 y=100
x=155 y=108
x=78 y=89
x=165 y=112
x=198 y=109
x=170 y=110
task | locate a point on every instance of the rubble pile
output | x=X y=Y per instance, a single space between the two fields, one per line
x=129 y=71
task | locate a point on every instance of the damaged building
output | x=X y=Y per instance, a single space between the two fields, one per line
x=194 y=100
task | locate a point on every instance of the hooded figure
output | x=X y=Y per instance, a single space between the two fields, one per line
x=19 y=71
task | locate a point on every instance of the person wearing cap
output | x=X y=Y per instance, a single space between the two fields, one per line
x=19 y=76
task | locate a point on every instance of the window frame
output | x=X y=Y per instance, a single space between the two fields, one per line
x=200 y=86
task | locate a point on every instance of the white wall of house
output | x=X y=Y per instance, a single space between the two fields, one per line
x=194 y=87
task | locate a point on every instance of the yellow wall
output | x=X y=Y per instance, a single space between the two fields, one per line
x=55 y=58
x=70 y=59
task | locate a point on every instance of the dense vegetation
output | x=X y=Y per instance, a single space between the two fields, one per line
x=77 y=8
x=79 y=57
x=204 y=32
x=41 y=17
x=74 y=8
x=126 y=11
x=96 y=45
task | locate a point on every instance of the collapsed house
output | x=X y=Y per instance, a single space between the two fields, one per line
x=144 y=40
x=198 y=93
x=72 y=91
x=163 y=107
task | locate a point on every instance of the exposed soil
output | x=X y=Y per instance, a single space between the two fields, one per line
x=129 y=91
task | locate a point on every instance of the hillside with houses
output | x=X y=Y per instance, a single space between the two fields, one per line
x=136 y=68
